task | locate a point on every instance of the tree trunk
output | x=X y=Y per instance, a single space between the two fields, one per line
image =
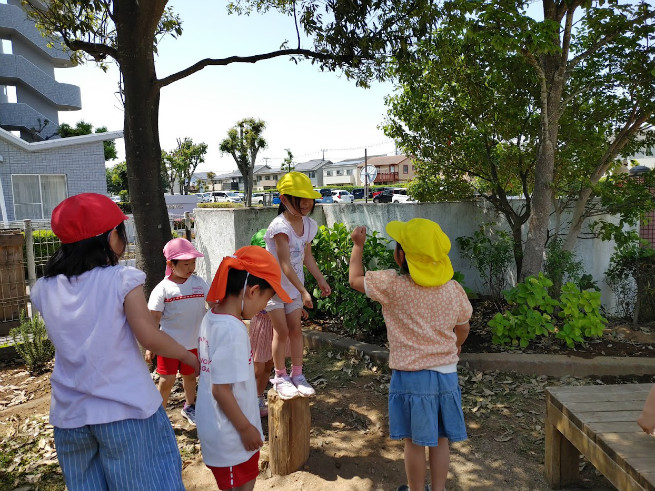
x=142 y=148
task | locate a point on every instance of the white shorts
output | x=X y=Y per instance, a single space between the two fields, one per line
x=277 y=303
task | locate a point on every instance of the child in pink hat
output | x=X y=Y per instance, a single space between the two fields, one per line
x=177 y=303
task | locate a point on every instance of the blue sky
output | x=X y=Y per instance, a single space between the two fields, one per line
x=305 y=109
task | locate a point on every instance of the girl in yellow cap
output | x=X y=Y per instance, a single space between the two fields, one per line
x=289 y=238
x=427 y=316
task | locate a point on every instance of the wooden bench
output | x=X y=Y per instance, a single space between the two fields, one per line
x=599 y=422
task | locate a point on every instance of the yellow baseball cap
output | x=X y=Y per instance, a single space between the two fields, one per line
x=426 y=249
x=297 y=184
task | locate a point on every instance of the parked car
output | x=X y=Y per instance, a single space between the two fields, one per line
x=342 y=196
x=327 y=196
x=387 y=196
x=373 y=194
x=276 y=198
x=257 y=199
x=225 y=197
x=204 y=197
x=358 y=193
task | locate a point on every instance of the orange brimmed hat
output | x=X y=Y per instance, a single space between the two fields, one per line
x=297 y=184
x=426 y=249
x=256 y=261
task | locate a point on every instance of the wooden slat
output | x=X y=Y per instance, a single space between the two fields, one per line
x=600 y=421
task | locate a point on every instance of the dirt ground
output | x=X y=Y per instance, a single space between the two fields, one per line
x=350 y=448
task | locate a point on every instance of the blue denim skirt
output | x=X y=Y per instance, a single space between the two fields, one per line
x=425 y=405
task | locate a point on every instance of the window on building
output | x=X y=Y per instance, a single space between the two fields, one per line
x=392 y=168
x=328 y=173
x=413 y=168
x=405 y=169
x=339 y=173
x=275 y=177
x=312 y=174
x=35 y=196
x=349 y=172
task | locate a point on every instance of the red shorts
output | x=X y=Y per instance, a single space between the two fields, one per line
x=237 y=475
x=170 y=366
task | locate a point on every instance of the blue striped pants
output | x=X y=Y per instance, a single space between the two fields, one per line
x=132 y=454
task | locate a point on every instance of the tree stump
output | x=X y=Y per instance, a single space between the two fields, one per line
x=289 y=424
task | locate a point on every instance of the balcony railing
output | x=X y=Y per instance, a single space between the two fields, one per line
x=386 y=177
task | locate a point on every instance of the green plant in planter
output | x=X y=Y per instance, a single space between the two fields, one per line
x=531 y=314
x=32 y=343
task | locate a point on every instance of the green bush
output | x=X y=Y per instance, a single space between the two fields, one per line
x=491 y=253
x=32 y=343
x=531 y=314
x=46 y=244
x=332 y=248
x=125 y=206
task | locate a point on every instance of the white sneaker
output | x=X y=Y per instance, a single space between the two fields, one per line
x=284 y=388
x=303 y=386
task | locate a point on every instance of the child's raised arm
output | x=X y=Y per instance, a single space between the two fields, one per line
x=647 y=418
x=250 y=436
x=148 y=334
x=356 y=268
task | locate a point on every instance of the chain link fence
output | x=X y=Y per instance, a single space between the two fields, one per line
x=27 y=245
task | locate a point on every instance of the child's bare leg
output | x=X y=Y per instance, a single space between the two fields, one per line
x=439 y=464
x=166 y=383
x=189 y=385
x=262 y=374
x=280 y=335
x=294 y=325
x=414 y=465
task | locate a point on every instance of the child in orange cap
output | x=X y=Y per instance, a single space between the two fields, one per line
x=427 y=317
x=177 y=304
x=111 y=431
x=227 y=413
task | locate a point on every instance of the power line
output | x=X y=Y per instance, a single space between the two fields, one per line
x=323 y=151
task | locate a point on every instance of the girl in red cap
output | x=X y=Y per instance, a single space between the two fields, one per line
x=227 y=413
x=111 y=431
x=289 y=238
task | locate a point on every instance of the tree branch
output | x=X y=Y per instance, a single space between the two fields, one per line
x=238 y=59
x=99 y=51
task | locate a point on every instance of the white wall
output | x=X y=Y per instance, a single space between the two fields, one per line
x=220 y=231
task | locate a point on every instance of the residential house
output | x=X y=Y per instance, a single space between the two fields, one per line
x=392 y=169
x=37 y=168
x=314 y=169
x=265 y=178
x=342 y=173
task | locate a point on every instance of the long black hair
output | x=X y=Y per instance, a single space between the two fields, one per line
x=295 y=201
x=84 y=255
x=236 y=278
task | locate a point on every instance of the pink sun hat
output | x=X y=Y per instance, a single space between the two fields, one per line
x=179 y=249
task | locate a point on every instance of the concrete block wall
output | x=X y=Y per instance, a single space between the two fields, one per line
x=220 y=231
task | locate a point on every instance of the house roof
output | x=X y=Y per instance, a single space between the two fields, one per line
x=259 y=169
x=311 y=165
x=386 y=160
x=58 y=142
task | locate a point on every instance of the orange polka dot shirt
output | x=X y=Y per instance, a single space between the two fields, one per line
x=420 y=320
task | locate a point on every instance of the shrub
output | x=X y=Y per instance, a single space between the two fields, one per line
x=32 y=343
x=491 y=253
x=332 y=248
x=532 y=310
x=46 y=244
x=125 y=206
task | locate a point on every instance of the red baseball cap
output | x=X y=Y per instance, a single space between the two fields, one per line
x=84 y=216
x=256 y=261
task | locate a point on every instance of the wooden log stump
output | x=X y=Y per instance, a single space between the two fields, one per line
x=289 y=424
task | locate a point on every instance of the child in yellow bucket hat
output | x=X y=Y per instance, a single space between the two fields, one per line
x=289 y=238
x=427 y=317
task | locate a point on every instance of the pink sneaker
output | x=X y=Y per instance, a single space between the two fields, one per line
x=303 y=386
x=284 y=388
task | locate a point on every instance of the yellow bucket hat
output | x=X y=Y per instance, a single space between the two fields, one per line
x=426 y=249
x=297 y=184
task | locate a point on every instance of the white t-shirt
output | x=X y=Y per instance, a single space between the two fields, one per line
x=182 y=307
x=100 y=375
x=225 y=358
x=297 y=243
